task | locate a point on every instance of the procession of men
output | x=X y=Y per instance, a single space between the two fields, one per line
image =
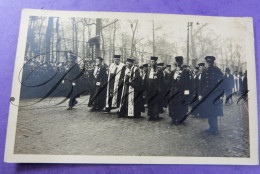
x=129 y=90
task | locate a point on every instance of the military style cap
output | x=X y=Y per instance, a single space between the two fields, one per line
x=154 y=58
x=227 y=70
x=185 y=66
x=179 y=59
x=160 y=64
x=117 y=56
x=130 y=60
x=145 y=65
x=168 y=66
x=100 y=58
x=210 y=58
x=201 y=64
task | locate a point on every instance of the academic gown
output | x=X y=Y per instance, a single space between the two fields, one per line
x=115 y=85
x=180 y=94
x=154 y=78
x=132 y=103
x=99 y=93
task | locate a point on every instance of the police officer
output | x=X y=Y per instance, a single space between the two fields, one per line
x=211 y=93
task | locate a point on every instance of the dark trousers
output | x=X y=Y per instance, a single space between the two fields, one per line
x=213 y=124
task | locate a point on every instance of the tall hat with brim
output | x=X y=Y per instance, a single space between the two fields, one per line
x=168 y=66
x=130 y=60
x=154 y=58
x=117 y=56
x=100 y=58
x=210 y=58
x=145 y=65
x=201 y=64
x=179 y=59
x=160 y=64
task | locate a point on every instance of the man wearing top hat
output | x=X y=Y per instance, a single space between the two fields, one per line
x=98 y=97
x=116 y=74
x=154 y=78
x=197 y=112
x=180 y=86
x=228 y=85
x=211 y=93
x=132 y=103
x=72 y=79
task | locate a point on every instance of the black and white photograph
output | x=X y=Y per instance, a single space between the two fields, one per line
x=106 y=87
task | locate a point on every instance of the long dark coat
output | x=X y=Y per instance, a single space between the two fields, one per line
x=73 y=76
x=153 y=87
x=228 y=84
x=98 y=98
x=178 y=101
x=211 y=89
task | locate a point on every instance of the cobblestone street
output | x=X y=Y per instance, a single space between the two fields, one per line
x=45 y=129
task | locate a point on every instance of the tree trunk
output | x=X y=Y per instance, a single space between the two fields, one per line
x=48 y=38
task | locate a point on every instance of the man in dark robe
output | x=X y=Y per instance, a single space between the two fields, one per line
x=115 y=84
x=197 y=112
x=211 y=93
x=73 y=79
x=229 y=85
x=99 y=93
x=154 y=78
x=180 y=92
x=132 y=103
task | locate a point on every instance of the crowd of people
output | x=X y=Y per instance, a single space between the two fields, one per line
x=155 y=87
x=130 y=89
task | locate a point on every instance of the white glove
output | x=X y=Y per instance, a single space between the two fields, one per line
x=73 y=84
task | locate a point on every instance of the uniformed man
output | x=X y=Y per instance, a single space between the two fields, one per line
x=154 y=79
x=211 y=93
x=115 y=84
x=100 y=80
x=132 y=103
x=72 y=79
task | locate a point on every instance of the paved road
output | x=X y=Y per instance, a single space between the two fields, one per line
x=45 y=129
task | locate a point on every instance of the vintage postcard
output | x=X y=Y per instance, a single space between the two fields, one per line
x=133 y=88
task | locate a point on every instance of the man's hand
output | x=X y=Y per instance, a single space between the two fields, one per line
x=62 y=81
x=200 y=97
x=73 y=84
